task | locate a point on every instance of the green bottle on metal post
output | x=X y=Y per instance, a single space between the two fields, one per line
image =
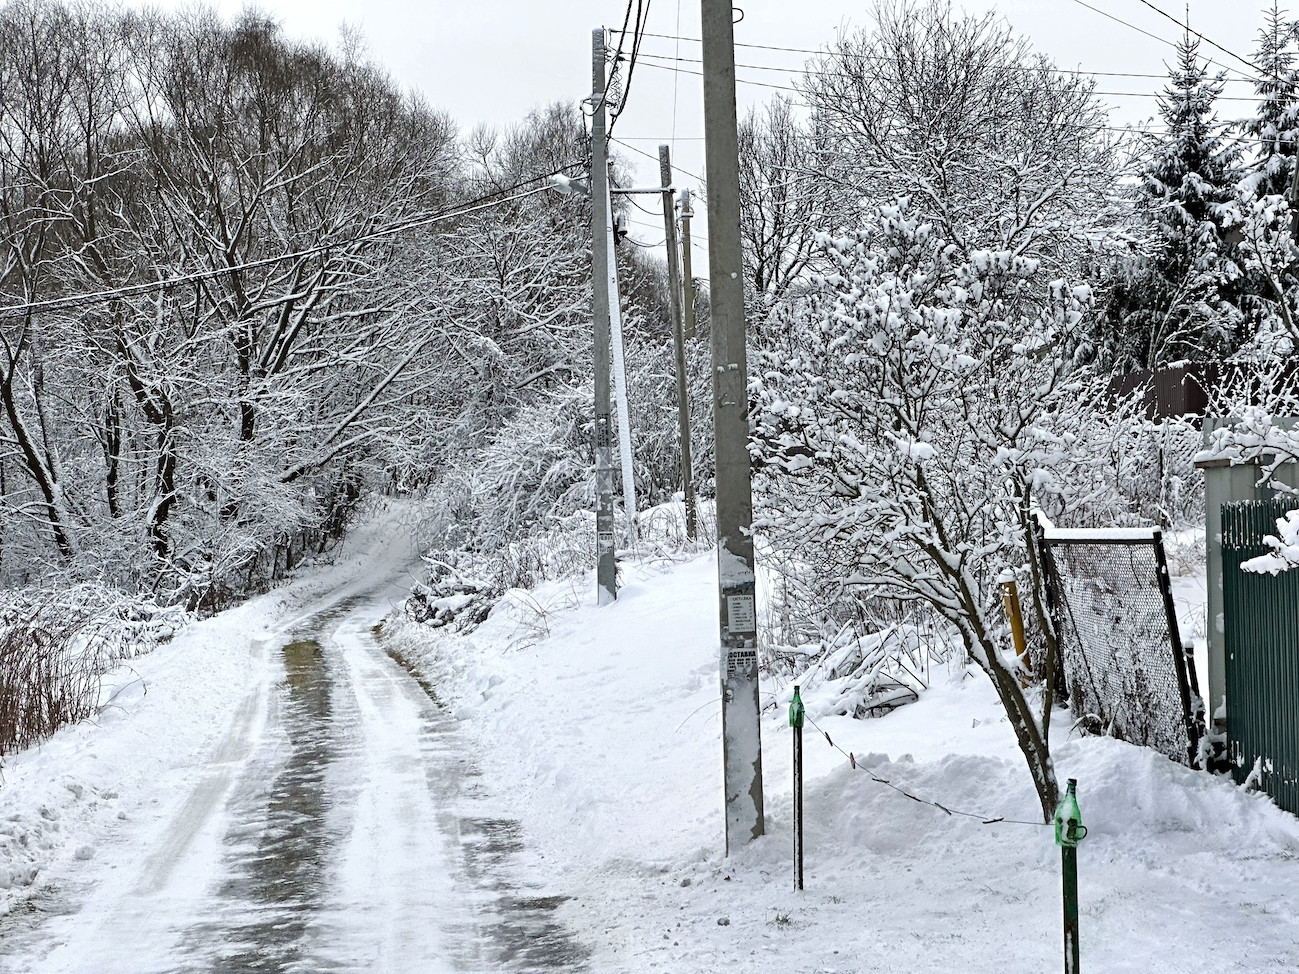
x=1069 y=831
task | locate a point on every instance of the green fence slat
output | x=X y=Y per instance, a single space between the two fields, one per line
x=1261 y=636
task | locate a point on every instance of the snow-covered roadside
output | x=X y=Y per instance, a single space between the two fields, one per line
x=164 y=716
x=602 y=727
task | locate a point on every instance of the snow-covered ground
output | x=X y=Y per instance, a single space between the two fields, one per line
x=598 y=729
x=605 y=723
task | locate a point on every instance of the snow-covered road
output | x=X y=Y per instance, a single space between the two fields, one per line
x=336 y=824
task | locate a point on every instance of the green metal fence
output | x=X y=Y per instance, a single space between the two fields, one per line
x=1261 y=630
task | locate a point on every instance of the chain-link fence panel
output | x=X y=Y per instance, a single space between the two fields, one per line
x=1123 y=661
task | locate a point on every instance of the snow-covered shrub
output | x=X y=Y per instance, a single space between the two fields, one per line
x=916 y=412
x=869 y=669
x=535 y=472
x=55 y=645
x=449 y=598
x=1156 y=479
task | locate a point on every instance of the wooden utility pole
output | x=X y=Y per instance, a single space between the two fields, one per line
x=741 y=727
x=678 y=340
x=689 y=283
x=606 y=569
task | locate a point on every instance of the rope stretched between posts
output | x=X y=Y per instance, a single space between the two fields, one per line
x=983 y=819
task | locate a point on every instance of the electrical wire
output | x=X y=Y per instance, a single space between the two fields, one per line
x=645 y=246
x=822 y=52
x=644 y=209
x=642 y=18
x=695 y=176
x=99 y=297
x=809 y=72
x=617 y=55
x=983 y=819
x=1121 y=129
x=1208 y=40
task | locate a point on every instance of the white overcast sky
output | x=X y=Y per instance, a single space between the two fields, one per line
x=492 y=61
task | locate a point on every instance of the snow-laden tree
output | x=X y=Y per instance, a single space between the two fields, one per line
x=919 y=406
x=519 y=277
x=1179 y=296
x=992 y=144
x=1268 y=257
x=179 y=435
x=1275 y=125
x=1192 y=167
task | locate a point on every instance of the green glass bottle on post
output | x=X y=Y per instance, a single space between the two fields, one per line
x=1069 y=830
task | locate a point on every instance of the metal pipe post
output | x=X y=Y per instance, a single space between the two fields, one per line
x=1069 y=869
x=796 y=722
x=1069 y=831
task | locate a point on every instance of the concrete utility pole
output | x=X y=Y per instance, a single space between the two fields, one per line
x=689 y=283
x=741 y=729
x=621 y=397
x=678 y=341
x=605 y=568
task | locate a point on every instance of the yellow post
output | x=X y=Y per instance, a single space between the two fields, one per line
x=1010 y=599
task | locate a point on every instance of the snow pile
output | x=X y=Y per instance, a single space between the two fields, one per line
x=157 y=719
x=163 y=719
x=602 y=725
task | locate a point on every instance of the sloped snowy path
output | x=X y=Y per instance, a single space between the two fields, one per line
x=336 y=825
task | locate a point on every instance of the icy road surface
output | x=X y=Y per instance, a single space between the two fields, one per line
x=338 y=826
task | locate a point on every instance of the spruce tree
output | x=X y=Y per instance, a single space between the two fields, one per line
x=1275 y=128
x=1181 y=300
x=1191 y=169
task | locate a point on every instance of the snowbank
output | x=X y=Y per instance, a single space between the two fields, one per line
x=603 y=726
x=166 y=719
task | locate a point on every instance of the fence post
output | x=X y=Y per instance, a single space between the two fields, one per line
x=1069 y=831
x=1010 y=599
x=796 y=714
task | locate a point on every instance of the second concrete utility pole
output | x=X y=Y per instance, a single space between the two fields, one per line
x=678 y=341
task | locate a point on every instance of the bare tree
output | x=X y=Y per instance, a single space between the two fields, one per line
x=987 y=139
x=783 y=199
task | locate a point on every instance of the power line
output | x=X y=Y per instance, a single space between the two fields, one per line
x=99 y=297
x=823 y=52
x=638 y=35
x=617 y=55
x=1209 y=40
x=1127 y=130
x=695 y=176
x=1161 y=40
x=810 y=72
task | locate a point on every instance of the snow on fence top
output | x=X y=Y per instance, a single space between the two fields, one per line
x=1101 y=535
